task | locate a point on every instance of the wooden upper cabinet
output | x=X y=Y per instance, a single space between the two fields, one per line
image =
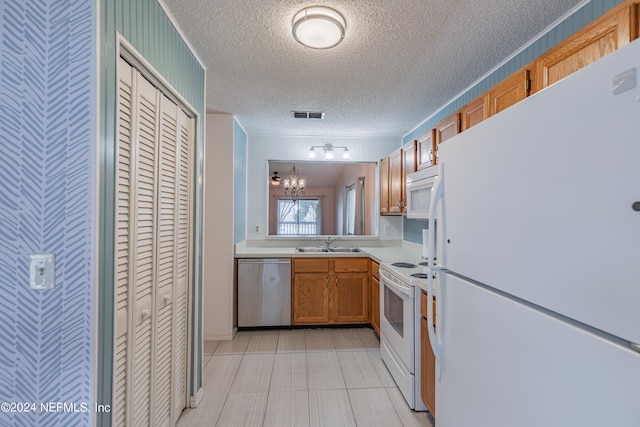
x=448 y=128
x=425 y=145
x=409 y=165
x=510 y=91
x=475 y=112
x=384 y=186
x=395 y=182
x=605 y=35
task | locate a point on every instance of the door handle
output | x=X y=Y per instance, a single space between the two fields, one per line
x=326 y=282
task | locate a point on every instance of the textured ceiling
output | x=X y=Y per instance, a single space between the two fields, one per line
x=399 y=62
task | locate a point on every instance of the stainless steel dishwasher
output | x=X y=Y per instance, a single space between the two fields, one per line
x=264 y=292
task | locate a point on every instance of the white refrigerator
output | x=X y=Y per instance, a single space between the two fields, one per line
x=538 y=258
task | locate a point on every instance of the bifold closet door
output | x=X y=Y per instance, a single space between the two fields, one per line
x=135 y=246
x=152 y=254
x=184 y=181
x=166 y=261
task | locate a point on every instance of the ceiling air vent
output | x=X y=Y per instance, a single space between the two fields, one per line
x=307 y=115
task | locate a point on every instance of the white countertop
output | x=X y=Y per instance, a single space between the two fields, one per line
x=385 y=251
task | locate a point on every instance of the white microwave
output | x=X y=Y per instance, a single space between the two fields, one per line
x=419 y=185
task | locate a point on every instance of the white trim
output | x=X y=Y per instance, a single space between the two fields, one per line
x=95 y=272
x=194 y=401
x=220 y=337
x=553 y=25
x=182 y=34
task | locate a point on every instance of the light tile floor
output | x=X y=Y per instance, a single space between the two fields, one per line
x=299 y=377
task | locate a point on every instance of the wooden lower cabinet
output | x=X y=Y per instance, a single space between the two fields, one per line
x=310 y=296
x=337 y=292
x=427 y=361
x=349 y=298
x=374 y=297
x=374 y=305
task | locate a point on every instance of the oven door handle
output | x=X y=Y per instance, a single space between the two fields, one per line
x=404 y=291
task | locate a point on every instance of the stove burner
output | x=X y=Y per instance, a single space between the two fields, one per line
x=420 y=275
x=404 y=265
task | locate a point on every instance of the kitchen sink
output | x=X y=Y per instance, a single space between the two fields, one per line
x=320 y=249
x=345 y=250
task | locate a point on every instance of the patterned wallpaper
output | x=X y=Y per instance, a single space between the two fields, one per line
x=47 y=199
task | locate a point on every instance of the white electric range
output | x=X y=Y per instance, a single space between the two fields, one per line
x=401 y=285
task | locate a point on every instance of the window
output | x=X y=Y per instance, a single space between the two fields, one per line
x=301 y=217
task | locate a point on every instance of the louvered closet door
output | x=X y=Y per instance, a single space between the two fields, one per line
x=184 y=181
x=153 y=234
x=145 y=248
x=123 y=238
x=166 y=262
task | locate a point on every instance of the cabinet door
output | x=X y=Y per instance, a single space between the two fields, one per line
x=448 y=128
x=426 y=145
x=408 y=166
x=350 y=298
x=510 y=91
x=395 y=182
x=374 y=304
x=384 y=186
x=428 y=370
x=602 y=37
x=310 y=298
x=475 y=112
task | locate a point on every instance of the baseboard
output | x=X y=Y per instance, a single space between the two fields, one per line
x=195 y=400
x=221 y=337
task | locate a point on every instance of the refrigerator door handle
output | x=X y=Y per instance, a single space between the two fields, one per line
x=436 y=345
x=437 y=193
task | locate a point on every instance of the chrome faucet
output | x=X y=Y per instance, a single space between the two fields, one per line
x=330 y=241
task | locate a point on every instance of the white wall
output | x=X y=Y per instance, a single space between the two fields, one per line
x=262 y=148
x=217 y=274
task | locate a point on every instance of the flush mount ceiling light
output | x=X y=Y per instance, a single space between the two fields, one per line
x=318 y=27
x=328 y=151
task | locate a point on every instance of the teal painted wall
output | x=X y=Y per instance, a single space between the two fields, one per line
x=578 y=20
x=145 y=25
x=239 y=182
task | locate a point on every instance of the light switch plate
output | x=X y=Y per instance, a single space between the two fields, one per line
x=42 y=271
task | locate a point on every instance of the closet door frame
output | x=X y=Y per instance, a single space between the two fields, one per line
x=127 y=52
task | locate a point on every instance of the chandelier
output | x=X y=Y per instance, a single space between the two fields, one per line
x=294 y=186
